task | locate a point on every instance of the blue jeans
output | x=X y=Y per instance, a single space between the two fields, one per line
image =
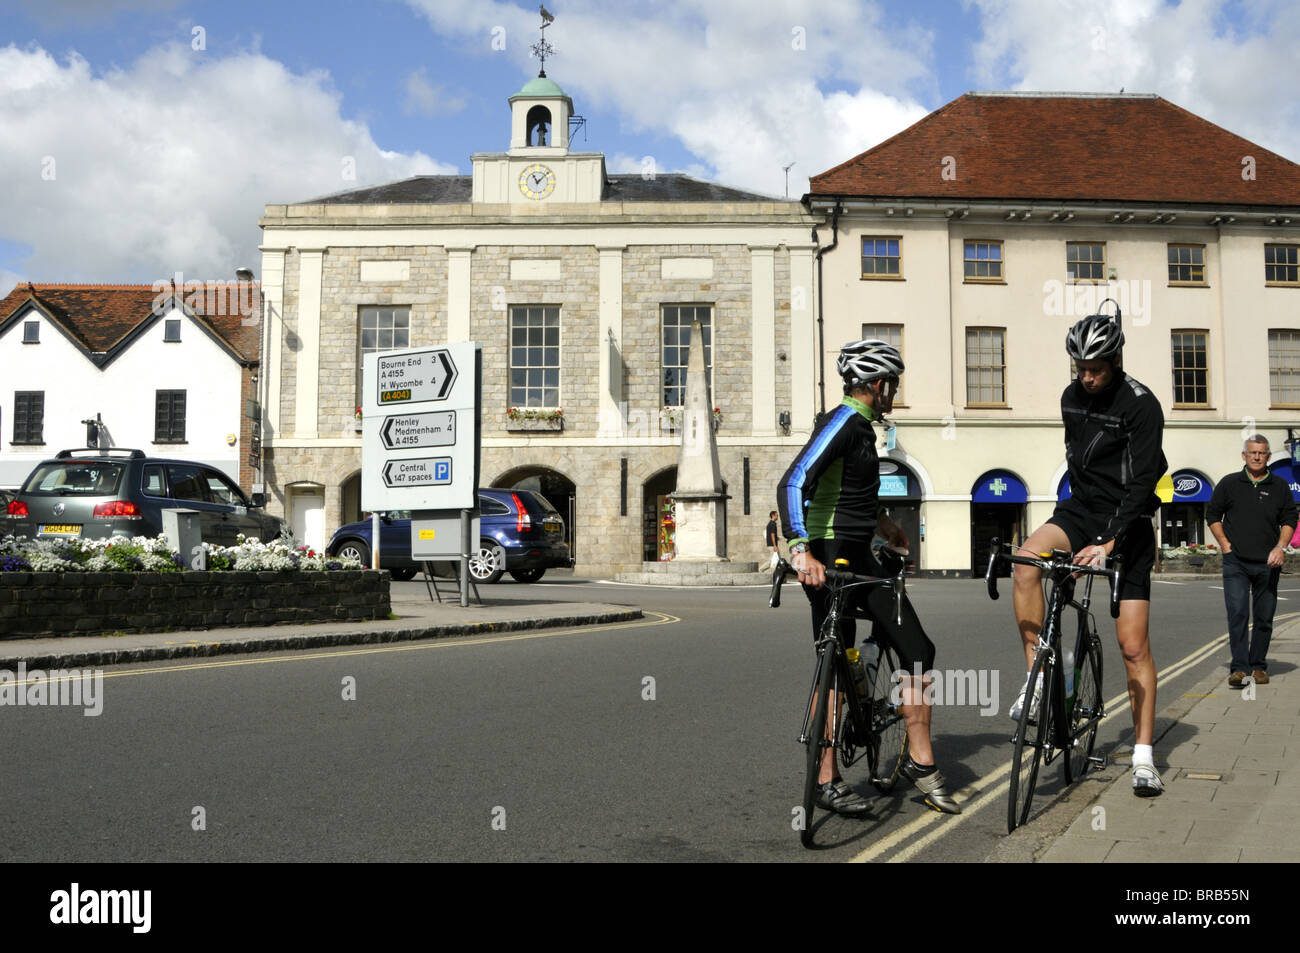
x=1243 y=583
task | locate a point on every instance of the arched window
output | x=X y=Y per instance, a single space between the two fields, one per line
x=539 y=126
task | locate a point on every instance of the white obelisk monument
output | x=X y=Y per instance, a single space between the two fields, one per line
x=699 y=498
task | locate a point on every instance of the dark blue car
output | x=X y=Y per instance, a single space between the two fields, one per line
x=521 y=533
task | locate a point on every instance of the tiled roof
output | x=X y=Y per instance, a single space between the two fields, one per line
x=674 y=187
x=417 y=190
x=458 y=189
x=100 y=316
x=1066 y=147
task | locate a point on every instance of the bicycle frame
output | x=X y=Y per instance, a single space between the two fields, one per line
x=1051 y=731
x=1062 y=738
x=832 y=645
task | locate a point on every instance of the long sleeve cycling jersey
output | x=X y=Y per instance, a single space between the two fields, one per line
x=837 y=475
x=1113 y=448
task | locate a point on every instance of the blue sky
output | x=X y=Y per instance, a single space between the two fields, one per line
x=137 y=147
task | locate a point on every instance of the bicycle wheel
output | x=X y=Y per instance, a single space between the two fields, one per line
x=816 y=741
x=1087 y=707
x=1030 y=735
x=888 y=742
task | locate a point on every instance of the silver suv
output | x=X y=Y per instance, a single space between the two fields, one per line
x=118 y=492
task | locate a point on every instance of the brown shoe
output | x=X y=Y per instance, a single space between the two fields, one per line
x=1237 y=680
x=1260 y=676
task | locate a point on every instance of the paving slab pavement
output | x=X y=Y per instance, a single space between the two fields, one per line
x=1230 y=760
x=416 y=617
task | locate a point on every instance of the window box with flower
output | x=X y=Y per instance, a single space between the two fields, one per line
x=670 y=419
x=534 y=418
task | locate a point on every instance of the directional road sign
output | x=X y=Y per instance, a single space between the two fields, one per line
x=421 y=471
x=414 y=377
x=407 y=431
x=414 y=400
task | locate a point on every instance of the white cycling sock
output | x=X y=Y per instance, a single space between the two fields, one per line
x=1142 y=754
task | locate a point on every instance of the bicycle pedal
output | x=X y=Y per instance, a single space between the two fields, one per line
x=1097 y=761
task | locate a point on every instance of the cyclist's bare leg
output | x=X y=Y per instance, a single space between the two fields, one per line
x=916 y=716
x=828 y=771
x=1132 y=628
x=1027 y=592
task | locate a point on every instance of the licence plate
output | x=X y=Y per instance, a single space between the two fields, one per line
x=59 y=529
x=552 y=527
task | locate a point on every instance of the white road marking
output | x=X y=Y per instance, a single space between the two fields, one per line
x=446 y=642
x=913 y=837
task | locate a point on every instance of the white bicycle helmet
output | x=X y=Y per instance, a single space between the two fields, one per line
x=864 y=361
x=1096 y=338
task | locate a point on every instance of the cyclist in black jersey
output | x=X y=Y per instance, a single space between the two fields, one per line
x=837 y=477
x=1113 y=430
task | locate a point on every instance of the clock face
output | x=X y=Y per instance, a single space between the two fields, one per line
x=536 y=181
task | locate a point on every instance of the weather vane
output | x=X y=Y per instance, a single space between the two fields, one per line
x=541 y=49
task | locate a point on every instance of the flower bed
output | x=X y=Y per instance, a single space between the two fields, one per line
x=89 y=587
x=1207 y=559
x=143 y=554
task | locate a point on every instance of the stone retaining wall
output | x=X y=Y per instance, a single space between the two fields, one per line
x=1212 y=565
x=92 y=603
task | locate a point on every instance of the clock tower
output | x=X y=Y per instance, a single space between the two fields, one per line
x=539 y=169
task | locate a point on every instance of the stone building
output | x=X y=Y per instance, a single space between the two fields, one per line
x=976 y=237
x=581 y=287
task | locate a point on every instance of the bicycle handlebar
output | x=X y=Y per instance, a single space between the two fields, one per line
x=782 y=570
x=839 y=578
x=1053 y=563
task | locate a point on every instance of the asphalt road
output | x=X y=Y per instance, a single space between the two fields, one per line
x=670 y=739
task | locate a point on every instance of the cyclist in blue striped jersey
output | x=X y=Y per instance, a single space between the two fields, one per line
x=836 y=476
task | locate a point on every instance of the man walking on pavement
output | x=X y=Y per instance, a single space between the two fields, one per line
x=1252 y=515
x=771 y=538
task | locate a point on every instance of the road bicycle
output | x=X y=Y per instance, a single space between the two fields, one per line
x=855 y=722
x=1069 y=708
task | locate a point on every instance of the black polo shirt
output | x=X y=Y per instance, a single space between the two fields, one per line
x=1252 y=513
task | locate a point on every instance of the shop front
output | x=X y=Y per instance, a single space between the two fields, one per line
x=901 y=496
x=997 y=510
x=1182 y=519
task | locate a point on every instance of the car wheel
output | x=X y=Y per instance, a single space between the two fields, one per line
x=487 y=563
x=528 y=575
x=355 y=549
x=403 y=575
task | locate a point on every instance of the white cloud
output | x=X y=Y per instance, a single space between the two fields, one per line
x=747 y=87
x=1191 y=53
x=425 y=99
x=164 y=165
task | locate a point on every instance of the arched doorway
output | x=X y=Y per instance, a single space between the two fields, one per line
x=901 y=495
x=558 y=490
x=350 y=500
x=658 y=520
x=997 y=509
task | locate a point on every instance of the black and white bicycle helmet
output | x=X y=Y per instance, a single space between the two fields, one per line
x=864 y=361
x=1096 y=338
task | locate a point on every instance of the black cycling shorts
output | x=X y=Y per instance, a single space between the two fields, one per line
x=909 y=641
x=1137 y=545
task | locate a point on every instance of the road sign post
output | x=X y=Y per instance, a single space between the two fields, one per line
x=420 y=413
